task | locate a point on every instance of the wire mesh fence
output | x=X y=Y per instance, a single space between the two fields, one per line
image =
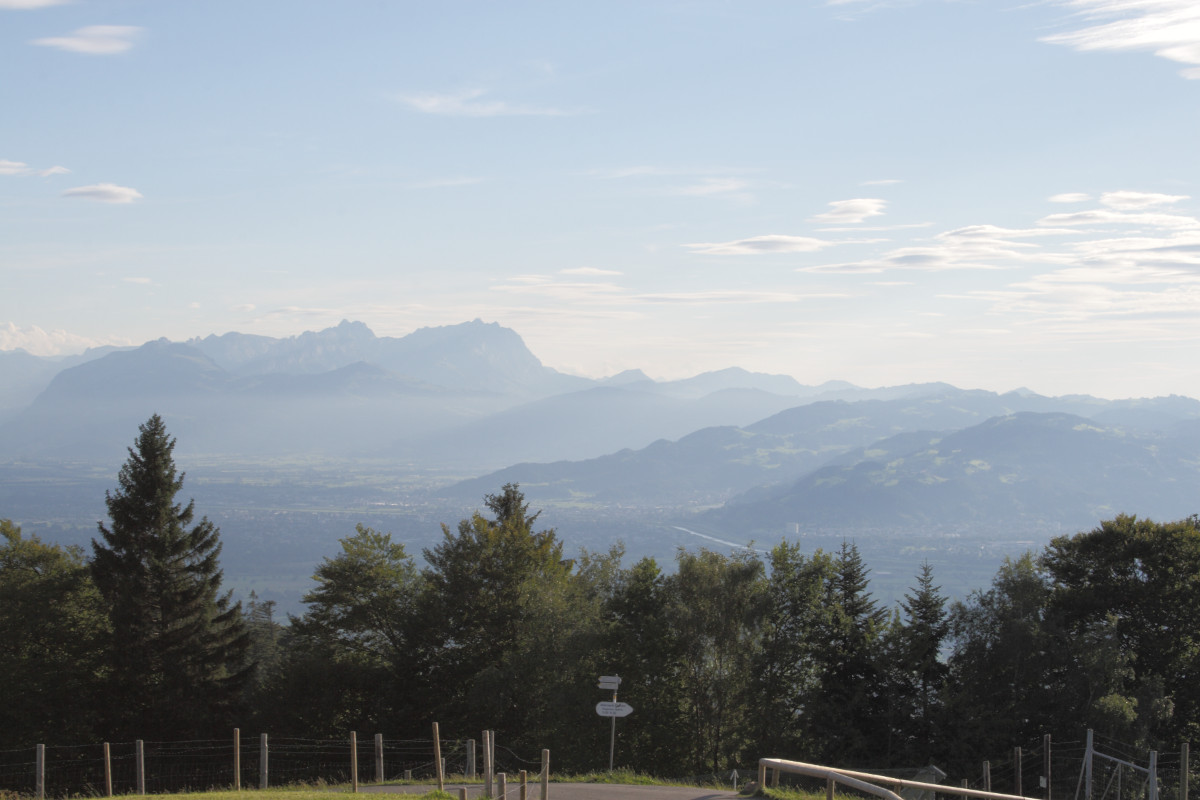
x=198 y=765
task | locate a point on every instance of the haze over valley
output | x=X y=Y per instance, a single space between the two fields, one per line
x=290 y=442
x=711 y=273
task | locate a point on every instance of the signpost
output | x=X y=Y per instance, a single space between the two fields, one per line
x=612 y=710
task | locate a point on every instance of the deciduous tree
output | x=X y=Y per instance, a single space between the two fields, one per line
x=52 y=627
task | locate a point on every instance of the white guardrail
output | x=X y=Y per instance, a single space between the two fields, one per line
x=865 y=781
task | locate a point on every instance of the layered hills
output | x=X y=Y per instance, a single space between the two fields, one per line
x=730 y=454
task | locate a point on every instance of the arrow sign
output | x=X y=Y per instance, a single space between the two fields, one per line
x=611 y=709
x=609 y=682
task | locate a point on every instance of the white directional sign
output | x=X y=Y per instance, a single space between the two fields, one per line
x=609 y=682
x=610 y=709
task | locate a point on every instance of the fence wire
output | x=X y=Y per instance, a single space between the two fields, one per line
x=199 y=765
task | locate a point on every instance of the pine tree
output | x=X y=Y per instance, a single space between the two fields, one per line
x=177 y=652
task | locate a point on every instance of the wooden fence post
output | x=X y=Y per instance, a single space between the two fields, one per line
x=830 y=788
x=379 y=758
x=1017 y=772
x=762 y=775
x=40 y=777
x=1046 y=763
x=469 y=769
x=462 y=793
x=353 y=761
x=502 y=785
x=524 y=785
x=262 y=761
x=107 y=771
x=1183 y=771
x=140 y=759
x=487 y=764
x=987 y=776
x=437 y=759
x=545 y=775
x=237 y=759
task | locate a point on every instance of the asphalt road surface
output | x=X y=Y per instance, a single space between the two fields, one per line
x=574 y=791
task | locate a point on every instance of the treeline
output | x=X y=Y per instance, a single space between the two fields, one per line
x=726 y=658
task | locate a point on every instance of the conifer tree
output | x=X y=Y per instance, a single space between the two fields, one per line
x=177 y=652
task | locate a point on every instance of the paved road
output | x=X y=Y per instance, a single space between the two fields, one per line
x=575 y=791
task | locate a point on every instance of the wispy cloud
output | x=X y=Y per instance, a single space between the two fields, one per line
x=848 y=212
x=877 y=228
x=20 y=168
x=589 y=271
x=95 y=40
x=1105 y=216
x=1168 y=28
x=732 y=188
x=104 y=193
x=31 y=4
x=1136 y=201
x=1070 y=197
x=735 y=296
x=975 y=247
x=759 y=245
x=471 y=103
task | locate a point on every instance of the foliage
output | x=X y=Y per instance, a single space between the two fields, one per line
x=346 y=659
x=1130 y=589
x=728 y=658
x=176 y=655
x=52 y=627
x=483 y=584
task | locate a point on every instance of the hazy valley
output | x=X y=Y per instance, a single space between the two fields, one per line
x=288 y=443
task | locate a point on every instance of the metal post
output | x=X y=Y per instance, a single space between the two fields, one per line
x=1153 y=776
x=237 y=759
x=1087 y=768
x=469 y=770
x=107 y=771
x=354 y=761
x=545 y=775
x=1017 y=772
x=140 y=757
x=987 y=776
x=262 y=761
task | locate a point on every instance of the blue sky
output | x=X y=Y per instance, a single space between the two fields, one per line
x=995 y=194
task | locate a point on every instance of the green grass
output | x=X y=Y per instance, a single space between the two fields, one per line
x=793 y=794
x=287 y=793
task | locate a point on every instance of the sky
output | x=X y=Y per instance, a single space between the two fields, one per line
x=989 y=193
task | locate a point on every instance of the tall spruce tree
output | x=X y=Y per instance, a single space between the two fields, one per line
x=177 y=651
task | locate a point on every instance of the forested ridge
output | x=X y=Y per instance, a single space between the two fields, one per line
x=725 y=657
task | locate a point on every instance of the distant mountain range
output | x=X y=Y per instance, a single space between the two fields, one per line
x=765 y=452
